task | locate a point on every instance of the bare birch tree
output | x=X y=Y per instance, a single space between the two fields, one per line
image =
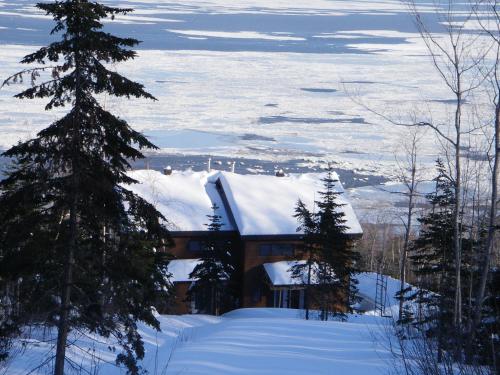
x=491 y=26
x=456 y=57
x=409 y=174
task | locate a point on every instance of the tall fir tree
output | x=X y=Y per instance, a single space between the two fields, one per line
x=215 y=275
x=431 y=305
x=331 y=260
x=82 y=249
x=306 y=272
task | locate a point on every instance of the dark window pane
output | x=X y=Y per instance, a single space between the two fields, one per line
x=195 y=246
x=288 y=250
x=282 y=250
x=264 y=250
x=276 y=250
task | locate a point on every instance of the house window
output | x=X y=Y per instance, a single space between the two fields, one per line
x=276 y=250
x=195 y=246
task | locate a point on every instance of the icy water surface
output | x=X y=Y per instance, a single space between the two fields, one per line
x=270 y=80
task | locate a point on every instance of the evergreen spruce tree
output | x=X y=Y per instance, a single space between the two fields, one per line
x=82 y=249
x=306 y=272
x=331 y=262
x=432 y=260
x=215 y=274
x=490 y=329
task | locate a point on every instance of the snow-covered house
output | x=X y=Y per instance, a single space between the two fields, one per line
x=258 y=216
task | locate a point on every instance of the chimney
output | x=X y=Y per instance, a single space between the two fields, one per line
x=209 y=167
x=167 y=171
x=280 y=173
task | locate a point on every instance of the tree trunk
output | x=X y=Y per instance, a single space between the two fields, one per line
x=63 y=327
x=308 y=289
x=457 y=233
x=402 y=269
x=490 y=241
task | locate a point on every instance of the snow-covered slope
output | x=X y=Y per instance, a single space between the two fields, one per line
x=367 y=291
x=243 y=342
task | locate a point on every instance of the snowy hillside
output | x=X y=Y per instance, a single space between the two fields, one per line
x=247 y=341
x=244 y=341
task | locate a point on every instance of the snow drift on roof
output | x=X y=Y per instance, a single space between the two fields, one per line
x=265 y=205
x=180 y=269
x=184 y=198
x=259 y=204
x=279 y=273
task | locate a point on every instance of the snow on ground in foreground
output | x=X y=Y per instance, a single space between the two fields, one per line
x=246 y=341
x=243 y=341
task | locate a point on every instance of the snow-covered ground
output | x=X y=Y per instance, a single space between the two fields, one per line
x=244 y=341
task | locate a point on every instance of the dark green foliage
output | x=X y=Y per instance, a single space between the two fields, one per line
x=213 y=290
x=488 y=335
x=67 y=221
x=432 y=260
x=429 y=308
x=331 y=261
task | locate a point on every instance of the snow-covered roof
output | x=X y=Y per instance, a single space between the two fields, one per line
x=180 y=269
x=259 y=204
x=280 y=273
x=184 y=198
x=265 y=205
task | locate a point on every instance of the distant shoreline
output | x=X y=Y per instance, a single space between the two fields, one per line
x=348 y=178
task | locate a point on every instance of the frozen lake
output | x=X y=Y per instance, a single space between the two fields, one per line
x=259 y=79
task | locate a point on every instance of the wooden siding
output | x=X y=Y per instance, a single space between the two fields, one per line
x=181 y=306
x=255 y=291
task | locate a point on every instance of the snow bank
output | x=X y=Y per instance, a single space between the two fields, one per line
x=277 y=341
x=244 y=342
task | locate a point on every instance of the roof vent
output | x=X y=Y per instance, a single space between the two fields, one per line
x=167 y=171
x=280 y=173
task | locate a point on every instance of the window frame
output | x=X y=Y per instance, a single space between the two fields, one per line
x=276 y=250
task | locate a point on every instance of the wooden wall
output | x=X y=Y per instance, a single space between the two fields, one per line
x=255 y=291
x=254 y=276
x=181 y=306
